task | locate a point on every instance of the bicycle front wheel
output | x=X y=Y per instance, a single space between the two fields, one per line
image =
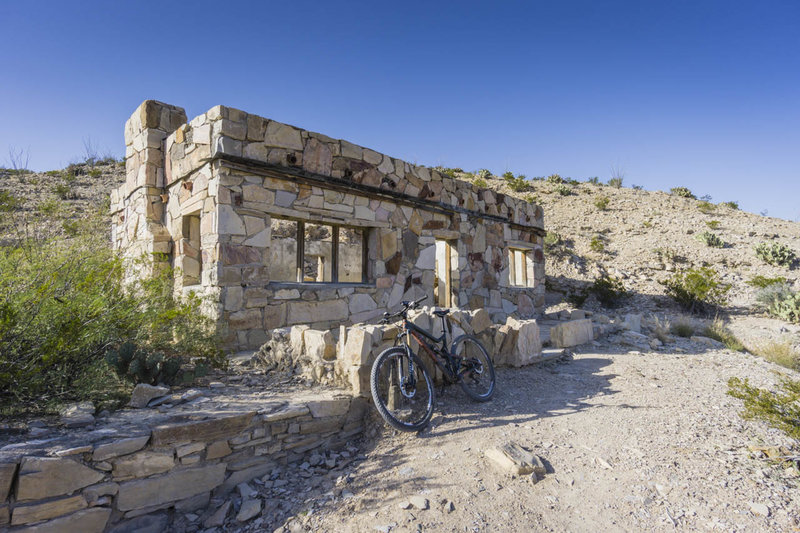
x=402 y=390
x=475 y=371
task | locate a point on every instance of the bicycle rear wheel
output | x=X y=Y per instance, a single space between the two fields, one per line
x=476 y=371
x=402 y=390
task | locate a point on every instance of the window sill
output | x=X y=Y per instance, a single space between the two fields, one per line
x=316 y=285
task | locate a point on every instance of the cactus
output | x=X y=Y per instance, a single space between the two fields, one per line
x=143 y=366
x=776 y=254
x=683 y=192
x=788 y=308
x=711 y=239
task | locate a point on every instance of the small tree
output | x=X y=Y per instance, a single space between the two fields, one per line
x=697 y=289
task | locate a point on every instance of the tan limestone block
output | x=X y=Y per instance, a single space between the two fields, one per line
x=351 y=150
x=142 y=464
x=283 y=136
x=317 y=157
x=86 y=521
x=204 y=430
x=25 y=514
x=218 y=449
x=308 y=312
x=174 y=486
x=43 y=477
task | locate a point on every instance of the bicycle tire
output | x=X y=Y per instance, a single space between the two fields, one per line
x=415 y=411
x=476 y=370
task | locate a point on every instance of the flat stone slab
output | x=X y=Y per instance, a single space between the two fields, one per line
x=120 y=447
x=87 y=521
x=143 y=393
x=171 y=487
x=205 y=430
x=26 y=514
x=44 y=477
x=513 y=459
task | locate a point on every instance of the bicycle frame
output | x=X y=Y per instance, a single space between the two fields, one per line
x=436 y=349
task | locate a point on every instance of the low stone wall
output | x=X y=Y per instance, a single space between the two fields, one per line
x=344 y=357
x=116 y=484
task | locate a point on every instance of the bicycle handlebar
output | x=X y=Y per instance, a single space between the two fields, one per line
x=406 y=306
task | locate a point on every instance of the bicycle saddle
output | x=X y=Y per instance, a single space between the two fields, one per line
x=441 y=312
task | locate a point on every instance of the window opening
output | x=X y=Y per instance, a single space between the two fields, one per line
x=310 y=252
x=443 y=279
x=351 y=254
x=517 y=267
x=318 y=253
x=283 y=250
x=191 y=257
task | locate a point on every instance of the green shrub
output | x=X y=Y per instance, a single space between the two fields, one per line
x=483 y=174
x=713 y=224
x=710 y=239
x=531 y=198
x=683 y=192
x=775 y=253
x=608 y=290
x=577 y=298
x=8 y=202
x=563 y=189
x=597 y=244
x=601 y=203
x=63 y=306
x=555 y=244
x=594 y=181
x=516 y=184
x=551 y=239
x=706 y=207
x=772 y=293
x=762 y=282
x=730 y=205
x=718 y=331
x=647 y=223
x=697 y=289
x=452 y=172
x=780 y=407
x=63 y=191
x=554 y=178
x=480 y=182
x=615 y=182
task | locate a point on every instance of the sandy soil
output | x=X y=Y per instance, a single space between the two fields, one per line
x=632 y=442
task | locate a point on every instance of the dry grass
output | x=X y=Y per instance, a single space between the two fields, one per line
x=780 y=352
x=682 y=327
x=717 y=330
x=661 y=329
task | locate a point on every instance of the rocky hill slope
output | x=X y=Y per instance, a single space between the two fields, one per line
x=639 y=237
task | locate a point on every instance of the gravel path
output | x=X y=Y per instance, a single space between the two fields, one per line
x=632 y=442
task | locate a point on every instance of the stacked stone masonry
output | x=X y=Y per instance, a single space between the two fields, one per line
x=111 y=485
x=279 y=226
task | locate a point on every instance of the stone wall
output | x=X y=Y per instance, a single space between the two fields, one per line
x=111 y=484
x=238 y=173
x=344 y=357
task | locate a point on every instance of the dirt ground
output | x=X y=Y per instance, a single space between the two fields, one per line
x=632 y=442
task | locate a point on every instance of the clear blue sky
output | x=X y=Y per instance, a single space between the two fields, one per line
x=677 y=93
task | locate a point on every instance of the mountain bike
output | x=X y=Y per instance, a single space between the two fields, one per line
x=401 y=385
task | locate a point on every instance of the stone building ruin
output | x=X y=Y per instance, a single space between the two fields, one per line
x=279 y=226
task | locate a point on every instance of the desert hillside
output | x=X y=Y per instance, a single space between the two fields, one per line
x=637 y=236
